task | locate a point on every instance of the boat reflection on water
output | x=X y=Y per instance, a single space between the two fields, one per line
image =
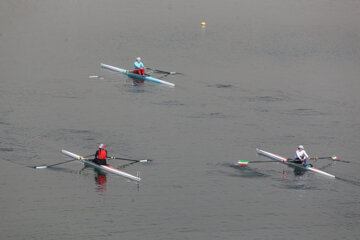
x=100 y=180
x=138 y=82
x=299 y=171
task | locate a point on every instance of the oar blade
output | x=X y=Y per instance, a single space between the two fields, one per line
x=335 y=158
x=40 y=167
x=242 y=163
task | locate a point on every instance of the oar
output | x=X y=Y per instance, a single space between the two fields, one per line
x=161 y=71
x=47 y=166
x=71 y=160
x=95 y=76
x=334 y=158
x=132 y=160
x=243 y=162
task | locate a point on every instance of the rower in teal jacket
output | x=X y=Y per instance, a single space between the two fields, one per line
x=139 y=67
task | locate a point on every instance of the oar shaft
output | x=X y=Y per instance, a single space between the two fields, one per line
x=267 y=161
x=125 y=159
x=47 y=166
x=161 y=71
x=61 y=163
x=132 y=160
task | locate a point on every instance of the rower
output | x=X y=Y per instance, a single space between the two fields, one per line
x=301 y=156
x=101 y=155
x=139 y=67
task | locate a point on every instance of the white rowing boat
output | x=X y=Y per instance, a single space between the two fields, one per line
x=286 y=161
x=136 y=76
x=105 y=168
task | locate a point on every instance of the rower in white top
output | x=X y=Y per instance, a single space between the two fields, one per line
x=301 y=156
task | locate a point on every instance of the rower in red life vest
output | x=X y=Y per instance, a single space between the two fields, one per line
x=139 y=67
x=101 y=155
x=301 y=156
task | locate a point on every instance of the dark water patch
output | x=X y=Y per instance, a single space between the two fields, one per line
x=209 y=115
x=305 y=112
x=289 y=136
x=4 y=123
x=146 y=87
x=350 y=181
x=6 y=149
x=245 y=171
x=68 y=97
x=76 y=131
x=187 y=230
x=135 y=89
x=266 y=99
x=298 y=186
x=220 y=85
x=264 y=110
x=169 y=103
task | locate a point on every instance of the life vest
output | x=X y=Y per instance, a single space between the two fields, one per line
x=102 y=154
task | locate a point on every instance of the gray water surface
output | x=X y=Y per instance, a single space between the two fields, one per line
x=268 y=74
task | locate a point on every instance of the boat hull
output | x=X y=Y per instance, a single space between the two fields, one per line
x=136 y=76
x=105 y=168
x=285 y=161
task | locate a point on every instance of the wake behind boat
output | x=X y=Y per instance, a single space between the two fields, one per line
x=287 y=162
x=136 y=76
x=105 y=168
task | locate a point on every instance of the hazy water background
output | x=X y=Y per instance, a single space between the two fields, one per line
x=269 y=74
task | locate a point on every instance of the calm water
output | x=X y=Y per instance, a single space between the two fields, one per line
x=268 y=74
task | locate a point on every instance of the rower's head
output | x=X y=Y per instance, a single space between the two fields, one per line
x=138 y=59
x=301 y=147
x=102 y=146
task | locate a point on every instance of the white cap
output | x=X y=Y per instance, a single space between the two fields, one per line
x=138 y=58
x=301 y=146
x=102 y=146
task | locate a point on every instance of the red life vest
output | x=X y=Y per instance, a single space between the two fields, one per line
x=102 y=154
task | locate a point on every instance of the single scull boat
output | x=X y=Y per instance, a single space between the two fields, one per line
x=285 y=161
x=105 y=168
x=136 y=76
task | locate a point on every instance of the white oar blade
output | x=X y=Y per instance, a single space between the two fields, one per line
x=41 y=167
x=95 y=76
